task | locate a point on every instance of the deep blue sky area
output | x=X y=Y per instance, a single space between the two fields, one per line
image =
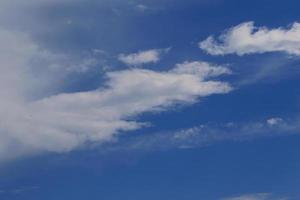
x=248 y=162
x=212 y=172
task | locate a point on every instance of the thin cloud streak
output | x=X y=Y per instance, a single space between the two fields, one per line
x=210 y=134
x=257 y=196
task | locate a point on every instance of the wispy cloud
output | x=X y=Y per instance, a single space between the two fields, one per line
x=248 y=39
x=257 y=196
x=19 y=190
x=142 y=57
x=142 y=7
x=209 y=134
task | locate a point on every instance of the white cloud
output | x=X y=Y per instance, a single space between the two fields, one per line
x=274 y=121
x=34 y=118
x=248 y=39
x=142 y=57
x=258 y=196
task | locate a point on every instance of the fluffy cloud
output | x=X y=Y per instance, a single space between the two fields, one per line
x=36 y=117
x=258 y=196
x=142 y=57
x=248 y=39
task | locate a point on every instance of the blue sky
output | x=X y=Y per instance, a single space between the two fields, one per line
x=149 y=99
